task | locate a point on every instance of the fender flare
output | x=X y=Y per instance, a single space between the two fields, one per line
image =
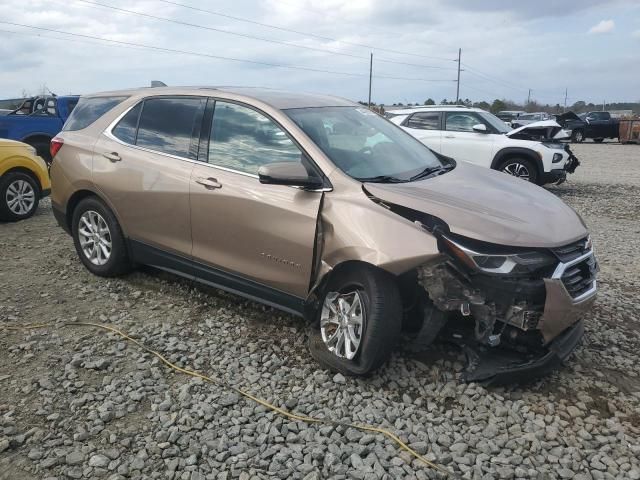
x=36 y=134
x=521 y=151
x=89 y=191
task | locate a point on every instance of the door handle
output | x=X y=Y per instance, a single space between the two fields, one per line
x=112 y=157
x=208 y=183
x=449 y=136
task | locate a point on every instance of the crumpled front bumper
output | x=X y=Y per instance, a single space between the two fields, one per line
x=561 y=327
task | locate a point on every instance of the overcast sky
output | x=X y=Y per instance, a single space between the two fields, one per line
x=591 y=47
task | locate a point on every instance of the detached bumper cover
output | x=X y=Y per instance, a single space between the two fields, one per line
x=561 y=328
x=499 y=367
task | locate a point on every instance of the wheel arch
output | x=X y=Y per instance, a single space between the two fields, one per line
x=28 y=172
x=313 y=301
x=514 y=152
x=80 y=195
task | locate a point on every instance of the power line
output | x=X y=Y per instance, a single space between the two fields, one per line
x=491 y=78
x=298 y=32
x=244 y=35
x=216 y=57
x=219 y=30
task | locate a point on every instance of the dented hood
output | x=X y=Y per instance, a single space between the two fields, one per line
x=547 y=129
x=489 y=206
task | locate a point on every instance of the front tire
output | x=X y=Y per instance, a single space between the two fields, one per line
x=98 y=239
x=359 y=321
x=522 y=168
x=577 y=136
x=19 y=196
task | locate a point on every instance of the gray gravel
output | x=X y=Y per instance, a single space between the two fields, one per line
x=78 y=403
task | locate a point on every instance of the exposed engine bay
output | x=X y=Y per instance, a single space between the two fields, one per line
x=501 y=309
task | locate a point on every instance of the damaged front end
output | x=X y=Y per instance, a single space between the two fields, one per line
x=514 y=311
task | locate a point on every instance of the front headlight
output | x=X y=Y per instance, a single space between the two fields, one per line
x=500 y=263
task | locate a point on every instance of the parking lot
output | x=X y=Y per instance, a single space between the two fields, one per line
x=79 y=403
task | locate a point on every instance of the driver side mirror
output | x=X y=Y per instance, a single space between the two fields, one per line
x=480 y=128
x=292 y=174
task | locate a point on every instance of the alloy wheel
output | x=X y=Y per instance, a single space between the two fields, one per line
x=517 y=170
x=95 y=237
x=342 y=323
x=20 y=197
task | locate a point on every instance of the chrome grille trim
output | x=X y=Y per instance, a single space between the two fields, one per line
x=565 y=267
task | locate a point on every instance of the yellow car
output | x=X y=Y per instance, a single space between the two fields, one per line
x=24 y=180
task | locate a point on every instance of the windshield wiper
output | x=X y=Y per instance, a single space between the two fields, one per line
x=381 y=179
x=430 y=171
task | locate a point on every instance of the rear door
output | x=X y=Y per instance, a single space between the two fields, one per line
x=261 y=233
x=460 y=142
x=143 y=167
x=426 y=127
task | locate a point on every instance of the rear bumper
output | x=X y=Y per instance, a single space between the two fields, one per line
x=61 y=218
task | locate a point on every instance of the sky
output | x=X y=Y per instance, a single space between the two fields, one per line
x=589 y=47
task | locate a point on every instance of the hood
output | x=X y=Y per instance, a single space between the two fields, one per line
x=544 y=130
x=490 y=206
x=563 y=117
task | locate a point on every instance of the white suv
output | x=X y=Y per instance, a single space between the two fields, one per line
x=475 y=136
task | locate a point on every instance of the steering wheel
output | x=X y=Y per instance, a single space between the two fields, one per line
x=365 y=150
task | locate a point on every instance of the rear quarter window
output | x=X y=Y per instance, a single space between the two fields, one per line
x=88 y=110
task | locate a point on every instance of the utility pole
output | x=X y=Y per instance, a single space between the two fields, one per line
x=458 y=82
x=566 y=90
x=603 y=103
x=529 y=97
x=370 y=76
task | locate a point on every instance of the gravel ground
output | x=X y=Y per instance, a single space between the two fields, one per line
x=78 y=403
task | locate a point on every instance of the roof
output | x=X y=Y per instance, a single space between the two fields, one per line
x=437 y=108
x=280 y=99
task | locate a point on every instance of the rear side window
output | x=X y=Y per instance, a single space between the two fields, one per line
x=90 y=109
x=171 y=125
x=424 y=121
x=126 y=128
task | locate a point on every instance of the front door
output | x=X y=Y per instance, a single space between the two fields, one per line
x=143 y=167
x=461 y=142
x=263 y=233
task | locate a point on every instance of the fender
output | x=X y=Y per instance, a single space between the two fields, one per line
x=524 y=152
x=36 y=134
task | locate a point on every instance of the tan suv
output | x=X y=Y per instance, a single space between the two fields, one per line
x=319 y=207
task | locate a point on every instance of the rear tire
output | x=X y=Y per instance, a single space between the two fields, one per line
x=519 y=167
x=381 y=319
x=98 y=239
x=19 y=196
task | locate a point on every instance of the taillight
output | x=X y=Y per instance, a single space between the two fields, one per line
x=56 y=143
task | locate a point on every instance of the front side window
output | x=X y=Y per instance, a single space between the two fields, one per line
x=171 y=125
x=243 y=140
x=461 y=121
x=424 y=121
x=88 y=110
x=364 y=145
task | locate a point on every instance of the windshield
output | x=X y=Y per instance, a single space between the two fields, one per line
x=364 y=145
x=495 y=122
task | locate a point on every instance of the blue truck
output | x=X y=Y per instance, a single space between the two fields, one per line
x=37 y=120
